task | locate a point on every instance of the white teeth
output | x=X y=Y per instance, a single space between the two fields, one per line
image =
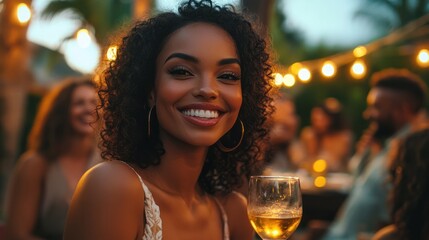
x=201 y=113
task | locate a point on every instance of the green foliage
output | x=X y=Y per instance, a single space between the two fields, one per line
x=105 y=16
x=390 y=14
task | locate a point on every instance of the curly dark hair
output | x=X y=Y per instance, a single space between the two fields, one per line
x=410 y=195
x=130 y=78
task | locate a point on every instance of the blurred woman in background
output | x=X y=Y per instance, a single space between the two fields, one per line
x=61 y=147
x=328 y=137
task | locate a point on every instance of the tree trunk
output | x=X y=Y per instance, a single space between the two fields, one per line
x=15 y=77
x=262 y=9
x=142 y=8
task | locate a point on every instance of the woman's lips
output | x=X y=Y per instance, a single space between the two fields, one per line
x=202 y=114
x=201 y=117
x=204 y=122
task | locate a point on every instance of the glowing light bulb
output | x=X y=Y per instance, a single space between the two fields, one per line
x=289 y=80
x=423 y=58
x=358 y=69
x=329 y=69
x=294 y=68
x=23 y=13
x=278 y=79
x=304 y=74
x=359 y=51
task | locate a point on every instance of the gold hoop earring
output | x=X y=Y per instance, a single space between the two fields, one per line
x=222 y=147
x=148 y=121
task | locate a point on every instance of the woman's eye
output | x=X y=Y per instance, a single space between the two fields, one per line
x=179 y=71
x=229 y=76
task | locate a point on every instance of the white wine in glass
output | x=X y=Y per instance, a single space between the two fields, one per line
x=274 y=206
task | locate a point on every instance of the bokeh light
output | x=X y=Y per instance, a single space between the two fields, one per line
x=304 y=74
x=81 y=59
x=358 y=69
x=23 y=13
x=319 y=166
x=329 y=69
x=359 y=51
x=83 y=38
x=289 y=80
x=278 y=79
x=320 y=181
x=423 y=58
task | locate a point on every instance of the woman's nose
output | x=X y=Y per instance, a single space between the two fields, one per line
x=90 y=107
x=207 y=88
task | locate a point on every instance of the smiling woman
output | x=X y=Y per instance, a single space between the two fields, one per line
x=61 y=147
x=184 y=104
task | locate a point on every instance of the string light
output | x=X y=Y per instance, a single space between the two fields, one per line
x=359 y=51
x=289 y=80
x=329 y=69
x=23 y=13
x=294 y=68
x=304 y=74
x=358 y=69
x=423 y=58
x=278 y=79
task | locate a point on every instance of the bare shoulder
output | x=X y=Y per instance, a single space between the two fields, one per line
x=235 y=205
x=113 y=174
x=109 y=190
x=31 y=165
x=32 y=159
x=109 y=181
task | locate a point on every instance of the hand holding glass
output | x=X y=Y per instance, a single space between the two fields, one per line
x=274 y=206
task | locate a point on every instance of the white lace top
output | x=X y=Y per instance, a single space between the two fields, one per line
x=153 y=227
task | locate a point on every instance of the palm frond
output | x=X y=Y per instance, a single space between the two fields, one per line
x=56 y=7
x=103 y=15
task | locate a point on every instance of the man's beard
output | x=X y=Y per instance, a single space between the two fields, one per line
x=384 y=130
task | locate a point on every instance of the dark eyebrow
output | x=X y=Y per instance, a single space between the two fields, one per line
x=182 y=56
x=229 y=61
x=195 y=60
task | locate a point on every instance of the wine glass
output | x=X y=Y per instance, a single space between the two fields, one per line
x=274 y=206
